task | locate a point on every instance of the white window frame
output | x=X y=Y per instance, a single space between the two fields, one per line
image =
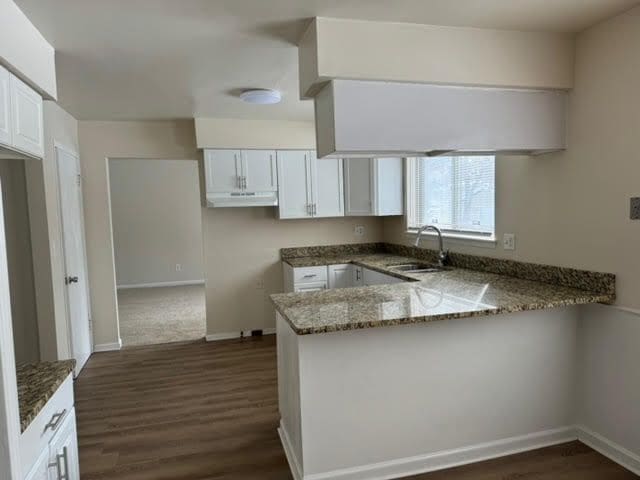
x=470 y=238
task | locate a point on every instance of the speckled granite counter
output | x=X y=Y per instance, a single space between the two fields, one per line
x=454 y=293
x=37 y=382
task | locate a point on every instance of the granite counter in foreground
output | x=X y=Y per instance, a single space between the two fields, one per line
x=37 y=382
x=454 y=293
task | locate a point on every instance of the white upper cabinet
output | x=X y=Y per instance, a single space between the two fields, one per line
x=327 y=186
x=26 y=118
x=259 y=170
x=373 y=186
x=5 y=108
x=294 y=190
x=309 y=187
x=223 y=170
x=241 y=178
x=20 y=116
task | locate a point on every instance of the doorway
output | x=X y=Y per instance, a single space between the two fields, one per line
x=157 y=238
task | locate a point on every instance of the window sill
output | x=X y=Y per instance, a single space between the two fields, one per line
x=481 y=241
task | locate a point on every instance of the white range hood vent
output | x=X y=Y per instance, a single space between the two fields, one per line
x=357 y=118
x=242 y=199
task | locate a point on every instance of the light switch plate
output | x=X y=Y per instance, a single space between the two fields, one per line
x=635 y=208
x=509 y=241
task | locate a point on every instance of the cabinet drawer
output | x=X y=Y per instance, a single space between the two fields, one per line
x=37 y=436
x=309 y=274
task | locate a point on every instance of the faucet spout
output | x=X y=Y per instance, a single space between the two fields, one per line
x=443 y=254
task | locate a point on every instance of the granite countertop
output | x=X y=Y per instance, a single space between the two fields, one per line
x=425 y=297
x=37 y=382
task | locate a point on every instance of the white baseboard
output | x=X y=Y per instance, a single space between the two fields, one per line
x=294 y=465
x=161 y=284
x=214 y=337
x=108 y=347
x=612 y=450
x=269 y=331
x=404 y=467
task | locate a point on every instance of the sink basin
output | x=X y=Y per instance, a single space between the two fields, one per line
x=417 y=268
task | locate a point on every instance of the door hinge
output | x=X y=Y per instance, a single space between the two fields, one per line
x=79 y=179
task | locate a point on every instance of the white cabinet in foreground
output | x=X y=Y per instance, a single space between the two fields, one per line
x=21 y=116
x=373 y=186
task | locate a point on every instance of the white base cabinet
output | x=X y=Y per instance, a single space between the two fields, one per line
x=49 y=445
x=312 y=279
x=21 y=116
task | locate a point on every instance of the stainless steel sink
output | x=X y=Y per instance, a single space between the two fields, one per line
x=417 y=268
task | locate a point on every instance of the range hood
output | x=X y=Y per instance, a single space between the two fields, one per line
x=356 y=118
x=242 y=199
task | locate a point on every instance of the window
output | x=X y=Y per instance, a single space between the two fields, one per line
x=456 y=194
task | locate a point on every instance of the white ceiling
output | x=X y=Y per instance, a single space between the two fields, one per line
x=158 y=59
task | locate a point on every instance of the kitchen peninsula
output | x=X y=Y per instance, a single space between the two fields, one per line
x=389 y=380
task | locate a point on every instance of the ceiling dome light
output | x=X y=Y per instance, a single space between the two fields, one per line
x=261 y=96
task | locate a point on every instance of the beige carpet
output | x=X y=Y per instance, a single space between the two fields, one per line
x=161 y=315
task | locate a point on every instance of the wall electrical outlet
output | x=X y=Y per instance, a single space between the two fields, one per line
x=509 y=241
x=178 y=267
x=359 y=230
x=260 y=284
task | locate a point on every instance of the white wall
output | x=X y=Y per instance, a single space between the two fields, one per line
x=157 y=221
x=16 y=220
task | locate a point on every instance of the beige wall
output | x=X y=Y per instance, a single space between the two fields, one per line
x=100 y=141
x=16 y=220
x=157 y=221
x=241 y=245
x=572 y=208
x=242 y=250
x=46 y=233
x=258 y=134
x=356 y=49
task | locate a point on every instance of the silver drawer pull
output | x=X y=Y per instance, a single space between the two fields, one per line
x=311 y=275
x=56 y=418
x=62 y=462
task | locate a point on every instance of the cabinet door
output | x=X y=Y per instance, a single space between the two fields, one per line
x=259 y=170
x=294 y=192
x=223 y=169
x=327 y=186
x=5 y=108
x=358 y=186
x=358 y=280
x=371 y=277
x=388 y=181
x=64 y=462
x=311 y=287
x=40 y=471
x=26 y=118
x=341 y=276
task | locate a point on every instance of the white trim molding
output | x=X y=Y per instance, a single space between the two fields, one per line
x=435 y=461
x=108 y=347
x=214 y=337
x=612 y=450
x=269 y=331
x=179 y=283
x=294 y=465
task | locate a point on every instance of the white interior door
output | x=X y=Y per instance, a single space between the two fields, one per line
x=76 y=281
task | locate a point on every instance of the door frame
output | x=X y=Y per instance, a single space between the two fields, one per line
x=58 y=146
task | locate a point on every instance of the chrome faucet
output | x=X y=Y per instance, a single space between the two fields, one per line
x=443 y=254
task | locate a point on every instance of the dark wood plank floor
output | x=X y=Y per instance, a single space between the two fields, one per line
x=200 y=411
